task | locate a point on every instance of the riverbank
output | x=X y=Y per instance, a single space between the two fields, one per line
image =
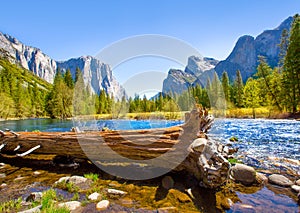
x=240 y=113
x=23 y=182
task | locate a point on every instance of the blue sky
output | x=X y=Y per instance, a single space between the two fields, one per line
x=68 y=28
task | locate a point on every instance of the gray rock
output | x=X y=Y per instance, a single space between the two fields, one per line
x=34 y=196
x=33 y=210
x=296 y=188
x=261 y=178
x=280 y=180
x=243 y=173
x=167 y=182
x=77 y=179
x=71 y=205
x=115 y=192
x=102 y=205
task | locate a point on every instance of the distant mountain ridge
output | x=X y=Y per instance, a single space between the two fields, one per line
x=95 y=73
x=196 y=72
x=244 y=57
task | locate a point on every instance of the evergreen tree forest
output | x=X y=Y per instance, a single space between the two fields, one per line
x=24 y=95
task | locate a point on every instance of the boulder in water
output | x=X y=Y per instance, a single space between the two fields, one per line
x=243 y=174
x=280 y=180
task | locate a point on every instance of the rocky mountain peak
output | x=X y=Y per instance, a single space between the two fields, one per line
x=244 y=56
x=95 y=73
x=197 y=65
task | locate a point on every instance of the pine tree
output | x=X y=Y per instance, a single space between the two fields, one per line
x=226 y=85
x=291 y=68
x=68 y=79
x=102 y=102
x=239 y=89
x=284 y=43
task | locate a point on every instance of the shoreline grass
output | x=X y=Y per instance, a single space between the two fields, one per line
x=240 y=113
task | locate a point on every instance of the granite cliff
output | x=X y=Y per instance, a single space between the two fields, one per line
x=97 y=74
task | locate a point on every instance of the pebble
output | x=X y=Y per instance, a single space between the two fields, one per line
x=94 y=196
x=298 y=182
x=167 y=182
x=19 y=178
x=116 y=192
x=102 y=205
x=71 y=205
x=296 y=188
x=36 y=173
x=280 y=180
x=2 y=164
x=2 y=175
x=3 y=185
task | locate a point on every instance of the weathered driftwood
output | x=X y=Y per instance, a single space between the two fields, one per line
x=184 y=147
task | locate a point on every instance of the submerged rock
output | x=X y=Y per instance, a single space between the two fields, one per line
x=71 y=205
x=167 y=182
x=261 y=178
x=233 y=139
x=243 y=174
x=280 y=180
x=102 y=205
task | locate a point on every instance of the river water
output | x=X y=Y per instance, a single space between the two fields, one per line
x=265 y=144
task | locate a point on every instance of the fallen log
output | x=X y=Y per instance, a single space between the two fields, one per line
x=176 y=147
